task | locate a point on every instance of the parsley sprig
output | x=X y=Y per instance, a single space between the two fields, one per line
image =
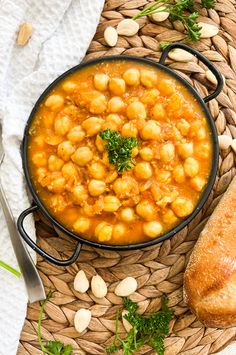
x=182 y=10
x=52 y=347
x=119 y=149
x=150 y=329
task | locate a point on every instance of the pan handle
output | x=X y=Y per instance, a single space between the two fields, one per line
x=40 y=251
x=201 y=57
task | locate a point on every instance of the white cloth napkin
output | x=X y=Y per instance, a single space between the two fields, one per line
x=63 y=30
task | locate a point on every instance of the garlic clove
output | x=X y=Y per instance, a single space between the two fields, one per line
x=126 y=287
x=127 y=27
x=98 y=286
x=82 y=319
x=81 y=283
x=110 y=36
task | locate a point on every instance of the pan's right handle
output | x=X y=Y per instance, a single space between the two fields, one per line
x=40 y=251
x=202 y=58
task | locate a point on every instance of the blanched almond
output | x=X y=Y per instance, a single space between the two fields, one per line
x=211 y=77
x=126 y=287
x=110 y=36
x=180 y=55
x=82 y=319
x=24 y=34
x=81 y=283
x=207 y=30
x=224 y=141
x=98 y=286
x=160 y=16
x=127 y=27
x=126 y=324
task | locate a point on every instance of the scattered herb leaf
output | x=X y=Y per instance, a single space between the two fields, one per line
x=208 y=4
x=51 y=347
x=150 y=329
x=163 y=45
x=119 y=149
x=182 y=10
x=10 y=269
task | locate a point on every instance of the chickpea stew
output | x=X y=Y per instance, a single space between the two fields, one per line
x=69 y=162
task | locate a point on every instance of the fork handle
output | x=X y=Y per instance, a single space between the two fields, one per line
x=33 y=283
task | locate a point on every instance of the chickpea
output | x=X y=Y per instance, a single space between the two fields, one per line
x=82 y=225
x=191 y=167
x=119 y=231
x=100 y=144
x=122 y=186
x=79 y=194
x=167 y=152
x=183 y=126
x=129 y=130
x=65 y=150
x=76 y=134
x=114 y=118
x=148 y=78
x=169 y=217
x=82 y=156
x=39 y=140
x=185 y=150
x=201 y=134
x=62 y=125
x=54 y=102
x=203 y=150
x=136 y=110
x=195 y=127
x=92 y=125
x=69 y=169
x=112 y=175
x=57 y=203
x=53 y=140
x=96 y=187
x=69 y=86
x=151 y=130
x=179 y=174
x=158 y=112
x=55 y=163
x=97 y=170
x=39 y=159
x=152 y=229
x=146 y=210
x=143 y=170
x=127 y=214
x=198 y=183
x=146 y=153
x=163 y=176
x=182 y=207
x=135 y=152
x=57 y=184
x=101 y=81
x=150 y=97
x=166 y=87
x=116 y=104
x=117 y=86
x=111 y=203
x=132 y=76
x=103 y=232
x=98 y=104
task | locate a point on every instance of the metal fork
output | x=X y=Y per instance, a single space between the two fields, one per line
x=33 y=283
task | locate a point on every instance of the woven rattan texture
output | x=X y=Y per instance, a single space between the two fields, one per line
x=158 y=269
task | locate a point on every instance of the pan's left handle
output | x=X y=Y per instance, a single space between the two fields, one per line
x=40 y=251
x=202 y=58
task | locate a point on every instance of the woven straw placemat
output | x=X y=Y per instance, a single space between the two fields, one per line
x=158 y=269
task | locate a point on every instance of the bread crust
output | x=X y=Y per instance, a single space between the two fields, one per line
x=210 y=277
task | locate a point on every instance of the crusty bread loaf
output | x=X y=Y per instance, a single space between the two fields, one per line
x=210 y=277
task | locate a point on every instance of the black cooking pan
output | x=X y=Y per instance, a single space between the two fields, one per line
x=38 y=205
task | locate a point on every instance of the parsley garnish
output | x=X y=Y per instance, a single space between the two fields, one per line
x=51 y=347
x=182 y=10
x=150 y=329
x=119 y=149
